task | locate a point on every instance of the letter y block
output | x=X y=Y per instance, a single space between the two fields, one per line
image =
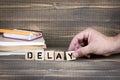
x=69 y=55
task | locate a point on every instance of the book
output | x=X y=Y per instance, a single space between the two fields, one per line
x=14 y=45
x=17 y=48
x=13 y=42
x=19 y=52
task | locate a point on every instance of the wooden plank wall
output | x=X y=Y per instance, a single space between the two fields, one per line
x=61 y=20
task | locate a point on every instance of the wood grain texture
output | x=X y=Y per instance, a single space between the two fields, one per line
x=15 y=67
x=60 y=21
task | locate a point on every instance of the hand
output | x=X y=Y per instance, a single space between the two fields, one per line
x=91 y=41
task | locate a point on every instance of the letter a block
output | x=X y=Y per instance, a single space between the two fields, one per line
x=59 y=56
x=69 y=55
x=49 y=55
x=29 y=56
x=39 y=55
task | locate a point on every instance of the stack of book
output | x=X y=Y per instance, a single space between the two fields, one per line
x=20 y=41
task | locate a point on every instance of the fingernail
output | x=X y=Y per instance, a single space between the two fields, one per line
x=76 y=54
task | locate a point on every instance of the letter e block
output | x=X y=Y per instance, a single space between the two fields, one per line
x=59 y=56
x=29 y=56
x=39 y=55
x=69 y=55
x=49 y=55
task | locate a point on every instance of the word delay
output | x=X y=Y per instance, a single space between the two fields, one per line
x=50 y=55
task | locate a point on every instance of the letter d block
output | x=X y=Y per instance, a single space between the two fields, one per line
x=59 y=56
x=39 y=55
x=49 y=55
x=29 y=56
x=69 y=55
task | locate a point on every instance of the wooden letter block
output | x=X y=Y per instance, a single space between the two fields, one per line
x=69 y=55
x=49 y=55
x=29 y=56
x=59 y=56
x=39 y=55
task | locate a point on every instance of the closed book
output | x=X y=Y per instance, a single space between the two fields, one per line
x=17 y=48
x=13 y=42
x=7 y=44
x=19 y=52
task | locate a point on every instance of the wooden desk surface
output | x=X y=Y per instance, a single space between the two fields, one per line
x=98 y=68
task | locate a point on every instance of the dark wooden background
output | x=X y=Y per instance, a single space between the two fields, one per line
x=60 y=20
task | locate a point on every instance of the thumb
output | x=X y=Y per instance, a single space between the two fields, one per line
x=82 y=51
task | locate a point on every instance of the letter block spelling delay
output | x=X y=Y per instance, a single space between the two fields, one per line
x=52 y=55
